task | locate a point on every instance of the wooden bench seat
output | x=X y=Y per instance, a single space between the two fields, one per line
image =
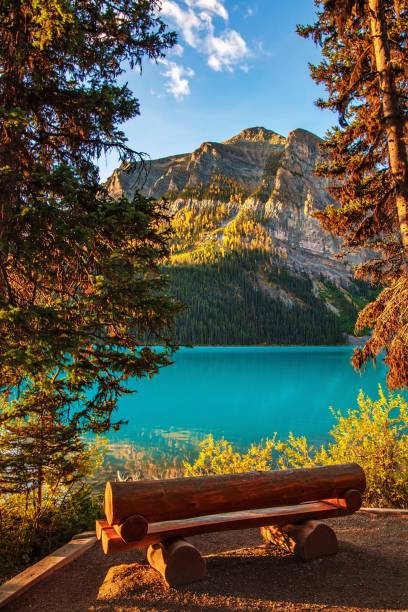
x=157 y=515
x=244 y=519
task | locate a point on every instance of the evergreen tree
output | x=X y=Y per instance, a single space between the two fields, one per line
x=364 y=46
x=80 y=283
x=233 y=300
x=40 y=450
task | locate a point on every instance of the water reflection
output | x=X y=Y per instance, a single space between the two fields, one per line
x=134 y=461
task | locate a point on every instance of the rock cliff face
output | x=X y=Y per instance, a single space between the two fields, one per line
x=242 y=158
x=254 y=187
x=248 y=256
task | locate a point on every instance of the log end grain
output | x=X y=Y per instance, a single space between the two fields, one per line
x=315 y=540
x=108 y=503
x=353 y=500
x=100 y=525
x=178 y=561
x=133 y=528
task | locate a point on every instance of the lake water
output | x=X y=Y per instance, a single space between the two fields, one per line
x=244 y=394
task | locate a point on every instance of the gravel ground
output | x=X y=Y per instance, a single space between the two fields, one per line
x=370 y=572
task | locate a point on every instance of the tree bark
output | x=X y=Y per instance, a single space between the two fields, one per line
x=394 y=124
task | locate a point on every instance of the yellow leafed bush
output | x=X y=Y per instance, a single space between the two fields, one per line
x=374 y=435
x=220 y=457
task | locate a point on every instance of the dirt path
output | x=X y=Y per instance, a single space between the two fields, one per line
x=370 y=572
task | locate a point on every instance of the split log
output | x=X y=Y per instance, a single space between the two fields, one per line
x=308 y=540
x=133 y=528
x=351 y=501
x=100 y=525
x=112 y=542
x=178 y=561
x=179 y=498
x=244 y=519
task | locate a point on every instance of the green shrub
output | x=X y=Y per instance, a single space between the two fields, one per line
x=27 y=535
x=374 y=435
x=29 y=530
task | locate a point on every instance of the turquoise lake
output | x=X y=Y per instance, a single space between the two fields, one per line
x=244 y=394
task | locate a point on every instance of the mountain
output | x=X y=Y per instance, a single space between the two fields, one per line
x=248 y=257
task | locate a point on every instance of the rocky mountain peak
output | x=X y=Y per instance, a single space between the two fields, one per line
x=256 y=134
x=255 y=190
x=301 y=134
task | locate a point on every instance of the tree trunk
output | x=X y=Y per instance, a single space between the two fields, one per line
x=309 y=540
x=394 y=124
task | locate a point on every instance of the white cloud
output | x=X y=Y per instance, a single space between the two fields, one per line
x=198 y=23
x=226 y=51
x=215 y=7
x=186 y=20
x=178 y=79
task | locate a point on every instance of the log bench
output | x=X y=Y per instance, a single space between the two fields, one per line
x=287 y=505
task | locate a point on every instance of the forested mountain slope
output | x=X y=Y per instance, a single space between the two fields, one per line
x=248 y=258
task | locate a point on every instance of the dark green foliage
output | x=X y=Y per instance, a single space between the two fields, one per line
x=79 y=278
x=235 y=301
x=44 y=468
x=26 y=535
x=80 y=282
x=347 y=303
x=40 y=447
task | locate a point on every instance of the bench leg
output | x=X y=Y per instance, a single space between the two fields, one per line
x=308 y=540
x=178 y=561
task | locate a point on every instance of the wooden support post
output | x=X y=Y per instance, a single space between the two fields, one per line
x=178 y=561
x=308 y=540
x=133 y=528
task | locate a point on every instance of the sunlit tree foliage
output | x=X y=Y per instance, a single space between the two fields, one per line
x=364 y=47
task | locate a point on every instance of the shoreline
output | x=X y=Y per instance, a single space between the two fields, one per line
x=352 y=343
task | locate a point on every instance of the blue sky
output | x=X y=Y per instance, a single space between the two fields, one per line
x=237 y=64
